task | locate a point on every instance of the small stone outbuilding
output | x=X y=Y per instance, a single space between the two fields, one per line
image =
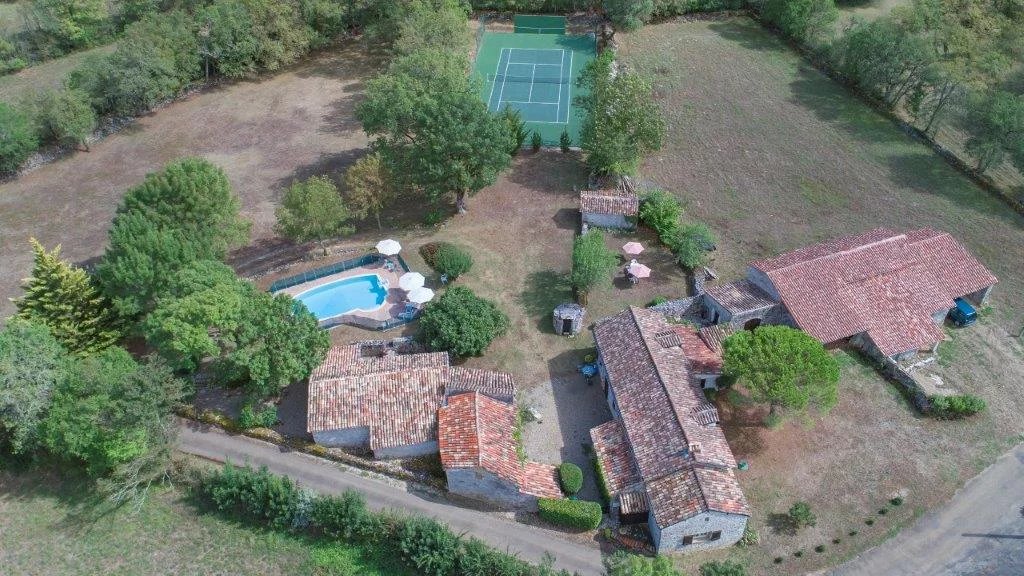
x=568 y=319
x=609 y=208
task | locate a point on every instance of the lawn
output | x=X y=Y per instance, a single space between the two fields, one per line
x=50 y=524
x=773 y=155
x=16 y=88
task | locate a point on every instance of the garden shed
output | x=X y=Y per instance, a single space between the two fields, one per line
x=609 y=208
x=568 y=319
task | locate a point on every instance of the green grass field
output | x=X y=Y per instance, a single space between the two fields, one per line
x=535 y=74
x=50 y=525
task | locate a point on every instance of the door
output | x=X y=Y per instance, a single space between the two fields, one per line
x=566 y=325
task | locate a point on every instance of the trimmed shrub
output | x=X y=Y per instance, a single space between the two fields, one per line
x=602 y=482
x=565 y=141
x=255 y=495
x=17 y=139
x=429 y=546
x=800 y=515
x=956 y=407
x=451 y=260
x=536 y=142
x=660 y=211
x=570 y=477
x=517 y=131
x=578 y=514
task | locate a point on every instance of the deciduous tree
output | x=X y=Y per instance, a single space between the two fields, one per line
x=63 y=298
x=65 y=116
x=32 y=364
x=592 y=262
x=313 y=210
x=784 y=367
x=432 y=129
x=623 y=123
x=628 y=14
x=17 y=139
x=462 y=323
x=370 y=187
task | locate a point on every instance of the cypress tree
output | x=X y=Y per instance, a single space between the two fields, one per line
x=63 y=297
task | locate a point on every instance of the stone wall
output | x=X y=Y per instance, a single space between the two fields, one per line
x=892 y=370
x=688 y=309
x=355 y=437
x=486 y=486
x=407 y=451
x=599 y=220
x=670 y=538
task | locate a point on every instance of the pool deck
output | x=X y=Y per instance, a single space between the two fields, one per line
x=394 y=304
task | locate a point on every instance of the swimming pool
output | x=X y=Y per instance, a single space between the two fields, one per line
x=366 y=293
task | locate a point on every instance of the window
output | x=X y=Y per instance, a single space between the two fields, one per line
x=703 y=537
x=687 y=540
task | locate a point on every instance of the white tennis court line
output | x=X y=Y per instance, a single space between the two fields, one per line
x=493 y=84
x=569 y=99
x=504 y=75
x=560 y=63
x=501 y=95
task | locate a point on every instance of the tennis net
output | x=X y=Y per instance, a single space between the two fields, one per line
x=505 y=78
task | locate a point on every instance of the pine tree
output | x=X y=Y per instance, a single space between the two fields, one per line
x=63 y=297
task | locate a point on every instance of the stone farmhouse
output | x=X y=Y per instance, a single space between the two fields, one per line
x=479 y=455
x=609 y=208
x=400 y=404
x=884 y=292
x=664 y=456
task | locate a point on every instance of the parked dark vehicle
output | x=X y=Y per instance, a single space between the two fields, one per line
x=963 y=314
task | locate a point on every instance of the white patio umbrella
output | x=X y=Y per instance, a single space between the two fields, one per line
x=389 y=247
x=421 y=295
x=632 y=248
x=411 y=281
x=639 y=270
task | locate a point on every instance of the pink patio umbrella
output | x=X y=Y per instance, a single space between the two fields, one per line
x=632 y=248
x=639 y=270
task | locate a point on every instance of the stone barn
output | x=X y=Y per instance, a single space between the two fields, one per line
x=664 y=457
x=368 y=397
x=478 y=452
x=885 y=292
x=609 y=208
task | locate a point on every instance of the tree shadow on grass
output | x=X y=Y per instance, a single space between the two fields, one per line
x=544 y=290
x=748 y=33
x=781 y=524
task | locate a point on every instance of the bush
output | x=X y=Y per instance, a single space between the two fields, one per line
x=578 y=514
x=570 y=477
x=253 y=36
x=798 y=553
x=852 y=533
x=819 y=548
x=956 y=407
x=869 y=521
x=660 y=211
x=882 y=511
x=657 y=300
x=622 y=563
x=517 y=132
x=750 y=537
x=255 y=495
x=17 y=139
x=691 y=244
x=451 y=260
x=602 y=482
x=592 y=261
x=462 y=323
x=265 y=418
x=429 y=546
x=628 y=15
x=805 y=21
x=345 y=517
x=800 y=515
x=536 y=142
x=897 y=501
x=479 y=559
x=723 y=568
x=64 y=116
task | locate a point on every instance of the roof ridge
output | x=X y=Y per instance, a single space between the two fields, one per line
x=657 y=372
x=895 y=236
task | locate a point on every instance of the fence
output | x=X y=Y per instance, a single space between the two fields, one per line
x=335 y=268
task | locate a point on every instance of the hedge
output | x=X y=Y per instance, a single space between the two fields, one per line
x=956 y=407
x=602 y=482
x=570 y=477
x=578 y=514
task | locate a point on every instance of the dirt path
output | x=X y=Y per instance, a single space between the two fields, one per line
x=265 y=134
x=979 y=532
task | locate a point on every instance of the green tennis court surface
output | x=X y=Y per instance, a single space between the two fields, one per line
x=536 y=75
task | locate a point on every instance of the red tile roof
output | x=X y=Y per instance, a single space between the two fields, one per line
x=475 y=430
x=612 y=450
x=661 y=403
x=740 y=296
x=395 y=395
x=881 y=282
x=703 y=358
x=610 y=201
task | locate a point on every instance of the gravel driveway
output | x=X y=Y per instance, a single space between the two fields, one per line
x=569 y=408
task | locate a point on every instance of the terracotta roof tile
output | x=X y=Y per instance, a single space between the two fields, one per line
x=497 y=385
x=880 y=282
x=661 y=405
x=609 y=201
x=740 y=296
x=612 y=450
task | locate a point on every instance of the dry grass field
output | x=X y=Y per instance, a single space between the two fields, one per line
x=264 y=133
x=50 y=523
x=773 y=155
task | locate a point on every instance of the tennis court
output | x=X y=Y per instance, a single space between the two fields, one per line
x=534 y=71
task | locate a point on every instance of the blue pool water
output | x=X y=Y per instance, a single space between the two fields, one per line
x=346 y=295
